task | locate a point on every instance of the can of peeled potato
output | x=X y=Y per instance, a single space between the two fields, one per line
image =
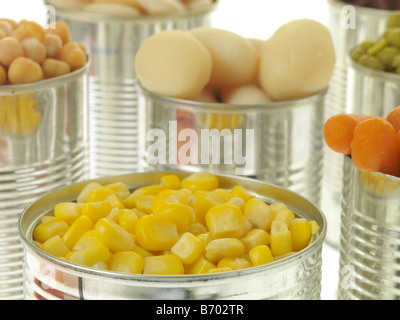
x=169 y=235
x=113 y=32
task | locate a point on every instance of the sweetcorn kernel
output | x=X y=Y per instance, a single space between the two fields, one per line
x=220 y=248
x=281 y=240
x=220 y=270
x=55 y=246
x=90 y=255
x=50 y=228
x=261 y=255
x=258 y=213
x=167 y=196
x=180 y=214
x=200 y=181
x=130 y=201
x=254 y=238
x=68 y=211
x=113 y=235
x=127 y=262
x=120 y=188
x=144 y=203
x=204 y=201
x=285 y=215
x=81 y=225
x=127 y=219
x=96 y=210
x=235 y=263
x=300 y=230
x=200 y=266
x=163 y=265
x=188 y=248
x=314 y=226
x=171 y=181
x=84 y=194
x=240 y=192
x=225 y=221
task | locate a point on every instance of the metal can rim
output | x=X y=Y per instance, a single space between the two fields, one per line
x=191 y=105
x=46 y=83
x=28 y=244
x=362 y=9
x=98 y=17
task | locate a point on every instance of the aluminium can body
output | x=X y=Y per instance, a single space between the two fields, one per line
x=349 y=25
x=279 y=143
x=295 y=277
x=370 y=236
x=113 y=112
x=43 y=146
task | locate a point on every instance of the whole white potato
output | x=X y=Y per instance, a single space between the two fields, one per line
x=247 y=95
x=297 y=61
x=173 y=63
x=235 y=59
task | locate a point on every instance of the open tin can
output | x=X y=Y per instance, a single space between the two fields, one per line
x=295 y=277
x=43 y=146
x=112 y=42
x=370 y=236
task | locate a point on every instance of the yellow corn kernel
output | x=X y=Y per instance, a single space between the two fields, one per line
x=138 y=212
x=46 y=218
x=68 y=211
x=113 y=235
x=50 y=228
x=91 y=255
x=235 y=263
x=69 y=254
x=130 y=201
x=144 y=253
x=177 y=213
x=197 y=228
x=171 y=181
x=254 y=238
x=285 y=215
x=220 y=270
x=155 y=233
x=217 y=249
x=314 y=226
x=200 y=181
x=223 y=194
x=76 y=230
x=200 y=266
x=225 y=221
x=101 y=194
x=188 y=248
x=238 y=202
x=277 y=206
x=83 y=195
x=261 y=255
x=55 y=247
x=283 y=256
x=114 y=214
x=120 y=188
x=127 y=219
x=186 y=195
x=204 y=237
x=241 y=193
x=101 y=265
x=204 y=201
x=163 y=265
x=167 y=196
x=88 y=239
x=259 y=213
x=127 y=262
x=247 y=226
x=300 y=230
x=96 y=210
x=281 y=240
x=144 y=203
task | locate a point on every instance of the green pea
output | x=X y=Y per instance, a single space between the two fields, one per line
x=382 y=43
x=394 y=20
x=357 y=53
x=394 y=37
x=367 y=44
x=374 y=63
x=396 y=61
x=386 y=56
x=364 y=59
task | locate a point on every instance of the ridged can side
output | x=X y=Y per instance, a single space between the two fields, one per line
x=279 y=143
x=368 y=24
x=297 y=277
x=43 y=146
x=113 y=112
x=370 y=236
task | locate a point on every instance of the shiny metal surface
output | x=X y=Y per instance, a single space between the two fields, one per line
x=295 y=277
x=286 y=149
x=113 y=112
x=37 y=156
x=369 y=24
x=370 y=236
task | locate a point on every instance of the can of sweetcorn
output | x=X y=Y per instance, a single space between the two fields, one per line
x=112 y=42
x=43 y=146
x=297 y=276
x=370 y=233
x=350 y=24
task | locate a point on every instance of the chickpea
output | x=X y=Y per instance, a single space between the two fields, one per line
x=2 y=34
x=61 y=29
x=10 y=49
x=20 y=34
x=73 y=55
x=24 y=70
x=3 y=76
x=34 y=30
x=12 y=23
x=5 y=27
x=54 y=68
x=53 y=44
x=34 y=49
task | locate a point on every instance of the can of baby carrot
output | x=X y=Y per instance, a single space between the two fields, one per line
x=279 y=142
x=370 y=233
x=43 y=146
x=295 y=276
x=112 y=42
x=349 y=24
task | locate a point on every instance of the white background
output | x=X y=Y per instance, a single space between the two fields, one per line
x=249 y=18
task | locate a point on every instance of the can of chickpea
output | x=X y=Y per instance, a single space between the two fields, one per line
x=292 y=276
x=112 y=41
x=43 y=146
x=370 y=233
x=350 y=24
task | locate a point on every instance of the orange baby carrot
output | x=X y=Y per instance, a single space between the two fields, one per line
x=394 y=118
x=375 y=147
x=338 y=131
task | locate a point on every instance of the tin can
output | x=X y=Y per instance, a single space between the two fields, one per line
x=113 y=113
x=350 y=25
x=43 y=146
x=279 y=143
x=370 y=233
x=294 y=277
